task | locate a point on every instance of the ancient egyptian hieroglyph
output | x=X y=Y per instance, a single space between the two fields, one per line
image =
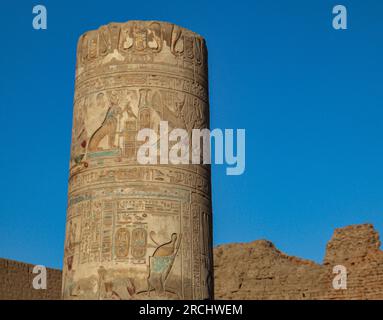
x=137 y=231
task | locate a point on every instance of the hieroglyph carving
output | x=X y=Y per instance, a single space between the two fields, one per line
x=137 y=231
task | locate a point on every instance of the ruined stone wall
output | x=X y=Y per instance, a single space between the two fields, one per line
x=358 y=249
x=16 y=282
x=258 y=270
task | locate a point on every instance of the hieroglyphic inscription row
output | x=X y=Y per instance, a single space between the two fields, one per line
x=151 y=80
x=200 y=181
x=137 y=42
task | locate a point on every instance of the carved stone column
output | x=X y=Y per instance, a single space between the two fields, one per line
x=137 y=231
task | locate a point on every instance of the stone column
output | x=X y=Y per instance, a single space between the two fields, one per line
x=137 y=231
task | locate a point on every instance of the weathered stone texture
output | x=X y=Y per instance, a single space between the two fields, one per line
x=16 y=282
x=358 y=249
x=257 y=270
x=137 y=231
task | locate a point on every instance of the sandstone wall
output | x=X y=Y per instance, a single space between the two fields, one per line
x=258 y=270
x=16 y=282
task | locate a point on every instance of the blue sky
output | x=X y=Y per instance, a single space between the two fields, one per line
x=309 y=97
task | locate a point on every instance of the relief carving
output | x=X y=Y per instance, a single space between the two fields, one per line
x=137 y=231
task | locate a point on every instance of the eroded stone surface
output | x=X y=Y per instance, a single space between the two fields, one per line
x=137 y=231
x=257 y=270
x=16 y=282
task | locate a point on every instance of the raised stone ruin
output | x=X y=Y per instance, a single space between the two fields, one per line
x=258 y=270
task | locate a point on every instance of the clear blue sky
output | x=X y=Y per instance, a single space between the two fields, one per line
x=309 y=97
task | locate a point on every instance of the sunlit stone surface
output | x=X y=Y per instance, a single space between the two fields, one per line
x=137 y=231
